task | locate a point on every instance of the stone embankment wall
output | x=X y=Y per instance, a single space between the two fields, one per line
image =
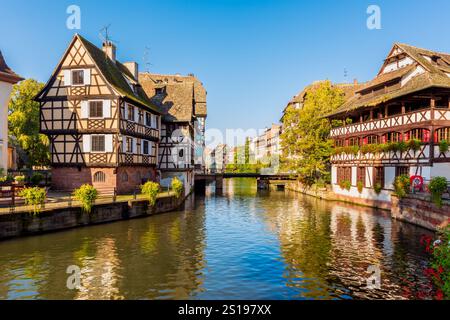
x=24 y=224
x=420 y=210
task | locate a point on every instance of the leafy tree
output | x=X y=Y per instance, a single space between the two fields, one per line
x=305 y=139
x=24 y=118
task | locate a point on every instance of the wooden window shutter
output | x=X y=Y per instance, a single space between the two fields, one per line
x=67 y=77
x=84 y=109
x=109 y=143
x=87 y=76
x=106 y=108
x=86 y=143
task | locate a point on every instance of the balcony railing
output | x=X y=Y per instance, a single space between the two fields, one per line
x=393 y=121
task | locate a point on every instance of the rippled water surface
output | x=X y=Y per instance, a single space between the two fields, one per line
x=241 y=244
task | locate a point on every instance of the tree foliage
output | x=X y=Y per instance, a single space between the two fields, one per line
x=23 y=118
x=305 y=139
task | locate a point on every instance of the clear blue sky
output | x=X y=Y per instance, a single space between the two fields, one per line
x=252 y=56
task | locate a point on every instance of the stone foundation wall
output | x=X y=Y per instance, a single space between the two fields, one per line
x=421 y=211
x=24 y=224
x=327 y=194
x=124 y=179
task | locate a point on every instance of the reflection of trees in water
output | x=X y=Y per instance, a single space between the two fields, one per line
x=160 y=256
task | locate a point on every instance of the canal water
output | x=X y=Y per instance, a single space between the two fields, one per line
x=241 y=244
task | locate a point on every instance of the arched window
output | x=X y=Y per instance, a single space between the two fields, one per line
x=392 y=137
x=353 y=142
x=372 y=139
x=99 y=176
x=442 y=134
x=339 y=142
x=418 y=134
x=181 y=153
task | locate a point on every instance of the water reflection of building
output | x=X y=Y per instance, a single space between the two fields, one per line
x=328 y=248
x=99 y=273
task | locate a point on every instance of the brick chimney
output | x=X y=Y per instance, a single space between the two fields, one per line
x=355 y=82
x=133 y=67
x=110 y=50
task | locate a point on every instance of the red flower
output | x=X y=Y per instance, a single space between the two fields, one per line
x=441 y=270
x=439 y=295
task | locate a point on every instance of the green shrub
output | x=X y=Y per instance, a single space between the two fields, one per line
x=402 y=185
x=438 y=186
x=177 y=187
x=414 y=144
x=377 y=188
x=87 y=195
x=34 y=197
x=151 y=190
x=360 y=186
x=7 y=179
x=443 y=146
x=345 y=185
x=37 y=178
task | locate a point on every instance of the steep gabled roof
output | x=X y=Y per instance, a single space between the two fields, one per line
x=115 y=74
x=434 y=72
x=183 y=97
x=6 y=74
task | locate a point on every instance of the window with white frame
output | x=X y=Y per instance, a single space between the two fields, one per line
x=77 y=77
x=96 y=109
x=148 y=119
x=130 y=112
x=145 y=147
x=97 y=143
x=129 y=145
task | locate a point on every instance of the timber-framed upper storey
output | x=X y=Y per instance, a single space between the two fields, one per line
x=95 y=112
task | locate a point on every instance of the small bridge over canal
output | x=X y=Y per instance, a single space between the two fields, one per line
x=264 y=181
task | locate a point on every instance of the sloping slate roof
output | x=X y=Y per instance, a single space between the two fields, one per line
x=434 y=76
x=115 y=72
x=184 y=97
x=6 y=74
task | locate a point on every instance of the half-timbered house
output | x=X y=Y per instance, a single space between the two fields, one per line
x=103 y=129
x=182 y=100
x=396 y=124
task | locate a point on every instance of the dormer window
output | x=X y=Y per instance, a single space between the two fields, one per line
x=160 y=90
x=78 y=77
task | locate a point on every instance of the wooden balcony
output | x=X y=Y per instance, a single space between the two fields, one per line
x=140 y=130
x=392 y=122
x=427 y=154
